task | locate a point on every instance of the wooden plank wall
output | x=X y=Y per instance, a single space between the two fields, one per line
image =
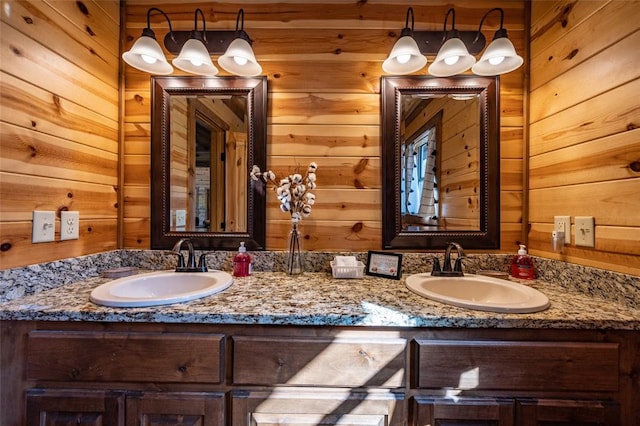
x=180 y=157
x=59 y=88
x=323 y=61
x=59 y=132
x=584 y=128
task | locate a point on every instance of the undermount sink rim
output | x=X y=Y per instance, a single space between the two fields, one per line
x=537 y=301
x=102 y=295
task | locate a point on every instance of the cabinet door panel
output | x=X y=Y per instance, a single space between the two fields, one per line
x=52 y=407
x=317 y=407
x=176 y=408
x=548 y=412
x=462 y=411
x=285 y=419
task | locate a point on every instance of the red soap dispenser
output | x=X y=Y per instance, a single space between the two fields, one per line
x=522 y=266
x=242 y=262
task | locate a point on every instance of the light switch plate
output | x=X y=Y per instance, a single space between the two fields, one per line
x=563 y=224
x=181 y=218
x=44 y=226
x=585 y=231
x=69 y=225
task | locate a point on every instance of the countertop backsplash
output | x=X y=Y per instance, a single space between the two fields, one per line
x=28 y=280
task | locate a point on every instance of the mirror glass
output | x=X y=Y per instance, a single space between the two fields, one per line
x=440 y=161
x=206 y=134
x=208 y=140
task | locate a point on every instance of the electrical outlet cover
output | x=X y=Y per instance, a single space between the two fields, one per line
x=69 y=225
x=563 y=224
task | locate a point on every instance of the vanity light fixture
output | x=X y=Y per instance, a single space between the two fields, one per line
x=405 y=57
x=453 y=57
x=194 y=56
x=194 y=49
x=146 y=54
x=500 y=57
x=239 y=58
x=454 y=50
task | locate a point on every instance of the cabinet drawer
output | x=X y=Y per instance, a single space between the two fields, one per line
x=516 y=365
x=339 y=361
x=125 y=357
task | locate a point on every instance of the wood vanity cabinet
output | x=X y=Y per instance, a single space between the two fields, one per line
x=539 y=412
x=513 y=412
x=316 y=406
x=53 y=407
x=346 y=377
x=428 y=410
x=74 y=406
x=508 y=368
x=175 y=408
x=63 y=368
x=60 y=373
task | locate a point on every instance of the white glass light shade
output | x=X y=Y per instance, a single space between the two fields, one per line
x=453 y=58
x=498 y=58
x=146 y=55
x=194 y=58
x=405 y=57
x=240 y=60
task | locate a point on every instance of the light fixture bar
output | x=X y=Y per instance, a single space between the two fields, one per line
x=217 y=41
x=429 y=42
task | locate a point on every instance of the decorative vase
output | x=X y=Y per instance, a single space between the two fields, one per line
x=295 y=261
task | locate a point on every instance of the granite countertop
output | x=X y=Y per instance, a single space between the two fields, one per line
x=318 y=299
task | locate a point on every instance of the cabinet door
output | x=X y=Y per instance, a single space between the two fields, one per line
x=462 y=411
x=54 y=407
x=551 y=412
x=175 y=408
x=317 y=406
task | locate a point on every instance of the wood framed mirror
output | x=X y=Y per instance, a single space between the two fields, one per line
x=206 y=133
x=440 y=162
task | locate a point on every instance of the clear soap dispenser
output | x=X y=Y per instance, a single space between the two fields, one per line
x=522 y=265
x=242 y=262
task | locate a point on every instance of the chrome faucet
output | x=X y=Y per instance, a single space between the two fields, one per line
x=190 y=265
x=447 y=270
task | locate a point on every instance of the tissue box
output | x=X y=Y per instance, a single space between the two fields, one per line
x=347 y=271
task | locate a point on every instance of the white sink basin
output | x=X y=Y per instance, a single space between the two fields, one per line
x=160 y=288
x=479 y=292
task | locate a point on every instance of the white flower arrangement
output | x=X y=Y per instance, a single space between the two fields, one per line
x=293 y=191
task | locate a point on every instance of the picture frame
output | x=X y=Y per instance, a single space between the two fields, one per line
x=383 y=264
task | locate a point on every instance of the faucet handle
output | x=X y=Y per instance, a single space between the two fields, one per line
x=458 y=265
x=180 y=258
x=202 y=262
x=436 y=265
